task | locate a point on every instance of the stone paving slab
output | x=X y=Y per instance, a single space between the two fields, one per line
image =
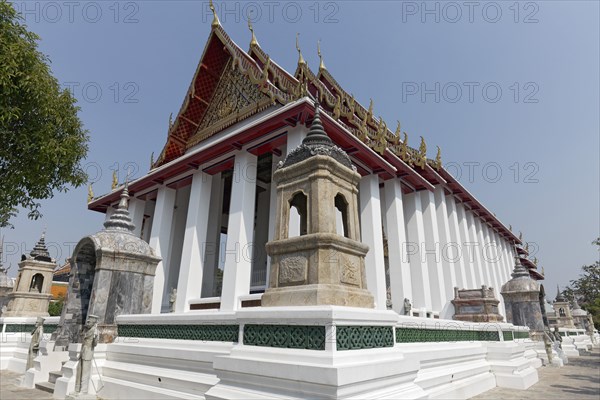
x=578 y=380
x=10 y=390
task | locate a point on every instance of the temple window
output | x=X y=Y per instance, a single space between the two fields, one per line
x=298 y=217
x=341 y=219
x=561 y=312
x=37 y=282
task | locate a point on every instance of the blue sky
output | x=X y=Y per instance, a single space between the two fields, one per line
x=509 y=91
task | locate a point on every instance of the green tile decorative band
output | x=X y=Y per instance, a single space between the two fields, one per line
x=508 y=336
x=416 y=335
x=209 y=333
x=563 y=333
x=28 y=328
x=572 y=333
x=285 y=336
x=364 y=337
x=521 y=335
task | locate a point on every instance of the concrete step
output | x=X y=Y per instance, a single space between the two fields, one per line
x=45 y=386
x=53 y=376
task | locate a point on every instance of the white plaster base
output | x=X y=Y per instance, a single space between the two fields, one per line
x=509 y=365
x=569 y=348
x=265 y=373
x=160 y=369
x=451 y=370
x=47 y=361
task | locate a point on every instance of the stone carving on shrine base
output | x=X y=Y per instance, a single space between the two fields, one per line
x=34 y=345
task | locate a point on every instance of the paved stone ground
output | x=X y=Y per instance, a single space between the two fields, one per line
x=579 y=380
x=10 y=390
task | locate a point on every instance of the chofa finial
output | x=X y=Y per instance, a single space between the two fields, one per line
x=300 y=58
x=321 y=64
x=215 y=21
x=253 y=41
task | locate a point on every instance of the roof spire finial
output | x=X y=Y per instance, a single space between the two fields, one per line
x=321 y=64
x=300 y=58
x=253 y=41
x=120 y=220
x=215 y=21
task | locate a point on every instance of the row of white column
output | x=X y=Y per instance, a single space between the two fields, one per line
x=434 y=244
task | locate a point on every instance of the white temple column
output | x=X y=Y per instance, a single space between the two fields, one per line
x=431 y=251
x=485 y=265
x=191 y=270
x=464 y=246
x=160 y=241
x=240 y=228
x=372 y=235
x=136 y=211
x=400 y=281
x=455 y=249
x=447 y=250
x=473 y=248
x=415 y=233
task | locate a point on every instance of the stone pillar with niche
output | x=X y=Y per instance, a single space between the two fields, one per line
x=112 y=273
x=521 y=298
x=325 y=263
x=31 y=293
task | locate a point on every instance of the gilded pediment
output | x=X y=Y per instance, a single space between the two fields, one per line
x=235 y=98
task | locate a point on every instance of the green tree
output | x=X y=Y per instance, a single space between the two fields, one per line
x=587 y=288
x=43 y=140
x=55 y=307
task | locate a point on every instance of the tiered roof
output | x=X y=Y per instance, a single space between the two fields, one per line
x=263 y=84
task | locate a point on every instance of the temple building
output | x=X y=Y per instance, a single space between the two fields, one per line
x=284 y=225
x=207 y=204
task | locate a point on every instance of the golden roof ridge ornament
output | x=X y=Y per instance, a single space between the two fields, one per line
x=438 y=159
x=253 y=41
x=422 y=155
x=115 y=180
x=321 y=64
x=215 y=21
x=300 y=58
x=90 y=193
